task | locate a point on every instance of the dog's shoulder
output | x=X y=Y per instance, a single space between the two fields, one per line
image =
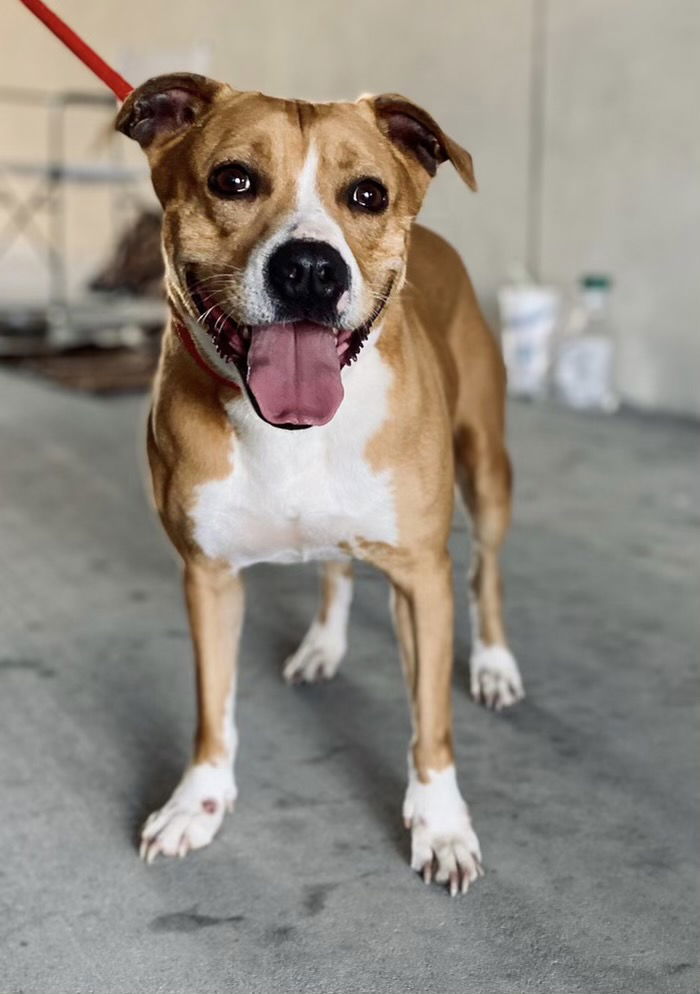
x=188 y=436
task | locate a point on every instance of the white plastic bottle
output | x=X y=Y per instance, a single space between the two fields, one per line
x=584 y=371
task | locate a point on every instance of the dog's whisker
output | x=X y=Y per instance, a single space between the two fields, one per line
x=211 y=281
x=203 y=317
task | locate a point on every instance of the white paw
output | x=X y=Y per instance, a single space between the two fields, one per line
x=495 y=678
x=193 y=815
x=444 y=845
x=318 y=657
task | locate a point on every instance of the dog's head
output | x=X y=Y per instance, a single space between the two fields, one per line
x=285 y=226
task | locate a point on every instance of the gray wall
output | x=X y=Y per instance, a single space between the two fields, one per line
x=617 y=161
x=621 y=178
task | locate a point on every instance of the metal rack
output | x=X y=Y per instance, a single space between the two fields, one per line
x=32 y=190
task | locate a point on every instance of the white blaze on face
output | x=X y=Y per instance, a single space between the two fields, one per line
x=309 y=220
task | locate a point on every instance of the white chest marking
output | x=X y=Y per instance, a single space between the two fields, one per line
x=294 y=496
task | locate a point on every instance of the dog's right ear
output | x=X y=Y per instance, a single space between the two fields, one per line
x=165 y=105
x=418 y=135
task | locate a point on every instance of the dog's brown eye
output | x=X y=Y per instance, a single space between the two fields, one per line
x=231 y=180
x=368 y=195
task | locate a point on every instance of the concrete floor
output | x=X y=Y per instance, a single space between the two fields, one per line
x=585 y=797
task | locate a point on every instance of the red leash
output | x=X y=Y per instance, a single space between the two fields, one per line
x=117 y=84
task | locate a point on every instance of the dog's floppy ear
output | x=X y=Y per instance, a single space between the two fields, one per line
x=417 y=133
x=165 y=105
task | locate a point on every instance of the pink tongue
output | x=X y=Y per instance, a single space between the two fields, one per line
x=294 y=373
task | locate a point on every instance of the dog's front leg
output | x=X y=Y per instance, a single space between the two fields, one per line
x=443 y=842
x=194 y=813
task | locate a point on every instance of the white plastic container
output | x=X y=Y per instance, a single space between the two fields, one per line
x=584 y=371
x=529 y=315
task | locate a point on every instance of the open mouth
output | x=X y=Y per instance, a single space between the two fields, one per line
x=291 y=371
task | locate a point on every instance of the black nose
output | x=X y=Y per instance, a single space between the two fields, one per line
x=308 y=277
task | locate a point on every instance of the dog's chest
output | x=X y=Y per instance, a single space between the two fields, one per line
x=293 y=496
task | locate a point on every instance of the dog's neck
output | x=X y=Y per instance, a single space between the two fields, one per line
x=190 y=346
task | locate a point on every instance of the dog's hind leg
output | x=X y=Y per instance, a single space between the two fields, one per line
x=484 y=479
x=193 y=815
x=324 y=644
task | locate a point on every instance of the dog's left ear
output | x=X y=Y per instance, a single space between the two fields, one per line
x=166 y=105
x=417 y=133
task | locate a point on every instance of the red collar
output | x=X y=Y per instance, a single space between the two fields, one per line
x=186 y=339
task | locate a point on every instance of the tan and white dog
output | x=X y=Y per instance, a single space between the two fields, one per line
x=325 y=377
